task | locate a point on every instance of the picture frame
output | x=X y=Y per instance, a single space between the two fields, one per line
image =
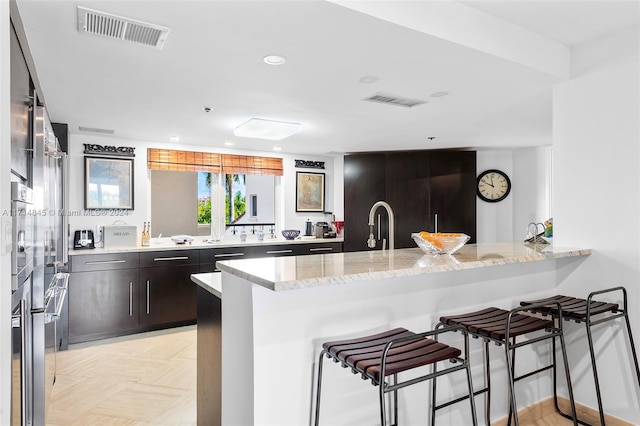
x=310 y=192
x=108 y=183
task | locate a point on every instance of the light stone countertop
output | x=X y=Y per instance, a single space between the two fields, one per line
x=299 y=272
x=199 y=242
x=209 y=281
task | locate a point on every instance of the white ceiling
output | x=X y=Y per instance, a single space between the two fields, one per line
x=213 y=57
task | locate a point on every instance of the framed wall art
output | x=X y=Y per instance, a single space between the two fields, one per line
x=309 y=192
x=108 y=183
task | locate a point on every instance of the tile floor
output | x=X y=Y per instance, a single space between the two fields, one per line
x=144 y=379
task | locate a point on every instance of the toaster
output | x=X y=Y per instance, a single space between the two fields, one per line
x=83 y=239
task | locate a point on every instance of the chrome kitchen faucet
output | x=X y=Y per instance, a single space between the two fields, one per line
x=371 y=242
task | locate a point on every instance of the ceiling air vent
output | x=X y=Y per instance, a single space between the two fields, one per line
x=384 y=98
x=96 y=130
x=112 y=26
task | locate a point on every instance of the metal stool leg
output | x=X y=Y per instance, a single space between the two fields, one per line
x=472 y=401
x=395 y=401
x=633 y=347
x=511 y=380
x=567 y=374
x=487 y=378
x=433 y=395
x=319 y=387
x=383 y=416
x=596 y=380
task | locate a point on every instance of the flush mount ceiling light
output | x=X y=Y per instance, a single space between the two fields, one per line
x=277 y=148
x=274 y=59
x=228 y=143
x=174 y=138
x=439 y=94
x=368 y=79
x=260 y=128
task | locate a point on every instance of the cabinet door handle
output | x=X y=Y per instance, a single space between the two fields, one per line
x=147 y=297
x=103 y=262
x=160 y=259
x=130 y=298
x=321 y=249
x=279 y=251
x=228 y=254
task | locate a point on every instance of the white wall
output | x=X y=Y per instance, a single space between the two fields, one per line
x=529 y=199
x=5 y=205
x=286 y=216
x=596 y=202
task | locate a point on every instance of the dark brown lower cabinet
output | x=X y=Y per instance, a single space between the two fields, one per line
x=167 y=295
x=102 y=304
x=123 y=293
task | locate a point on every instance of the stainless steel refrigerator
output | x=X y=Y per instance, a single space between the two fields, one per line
x=39 y=246
x=49 y=280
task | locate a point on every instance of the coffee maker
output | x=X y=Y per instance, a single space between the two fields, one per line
x=324 y=230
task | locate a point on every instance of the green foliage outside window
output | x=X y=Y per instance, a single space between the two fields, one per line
x=204 y=212
x=233 y=211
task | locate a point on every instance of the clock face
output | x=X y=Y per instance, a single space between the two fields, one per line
x=493 y=186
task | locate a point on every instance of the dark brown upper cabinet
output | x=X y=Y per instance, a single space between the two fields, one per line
x=417 y=185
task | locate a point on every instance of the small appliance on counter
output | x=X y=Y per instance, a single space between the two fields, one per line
x=182 y=239
x=83 y=239
x=120 y=236
x=324 y=230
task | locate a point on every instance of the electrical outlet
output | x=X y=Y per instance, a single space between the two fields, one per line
x=98 y=234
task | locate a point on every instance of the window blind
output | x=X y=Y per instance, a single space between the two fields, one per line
x=189 y=161
x=183 y=161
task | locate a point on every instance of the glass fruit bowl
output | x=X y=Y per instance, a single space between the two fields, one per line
x=440 y=242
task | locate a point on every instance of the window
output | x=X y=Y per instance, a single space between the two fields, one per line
x=235 y=197
x=202 y=193
x=204 y=198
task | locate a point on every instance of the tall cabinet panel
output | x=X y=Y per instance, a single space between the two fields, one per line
x=20 y=110
x=417 y=185
x=453 y=191
x=409 y=194
x=364 y=184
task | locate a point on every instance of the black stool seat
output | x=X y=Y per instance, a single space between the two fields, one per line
x=380 y=357
x=491 y=322
x=584 y=311
x=504 y=328
x=572 y=307
x=364 y=354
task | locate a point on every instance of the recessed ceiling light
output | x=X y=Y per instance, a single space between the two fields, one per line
x=228 y=143
x=274 y=59
x=174 y=138
x=260 y=128
x=277 y=148
x=368 y=79
x=439 y=94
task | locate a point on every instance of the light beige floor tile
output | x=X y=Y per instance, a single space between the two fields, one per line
x=110 y=382
x=182 y=413
x=190 y=352
x=138 y=401
x=181 y=375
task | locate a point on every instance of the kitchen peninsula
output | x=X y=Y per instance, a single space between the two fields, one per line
x=277 y=312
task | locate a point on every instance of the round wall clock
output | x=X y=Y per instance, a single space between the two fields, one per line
x=493 y=185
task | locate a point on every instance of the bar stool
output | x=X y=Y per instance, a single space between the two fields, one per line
x=583 y=311
x=384 y=354
x=502 y=327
